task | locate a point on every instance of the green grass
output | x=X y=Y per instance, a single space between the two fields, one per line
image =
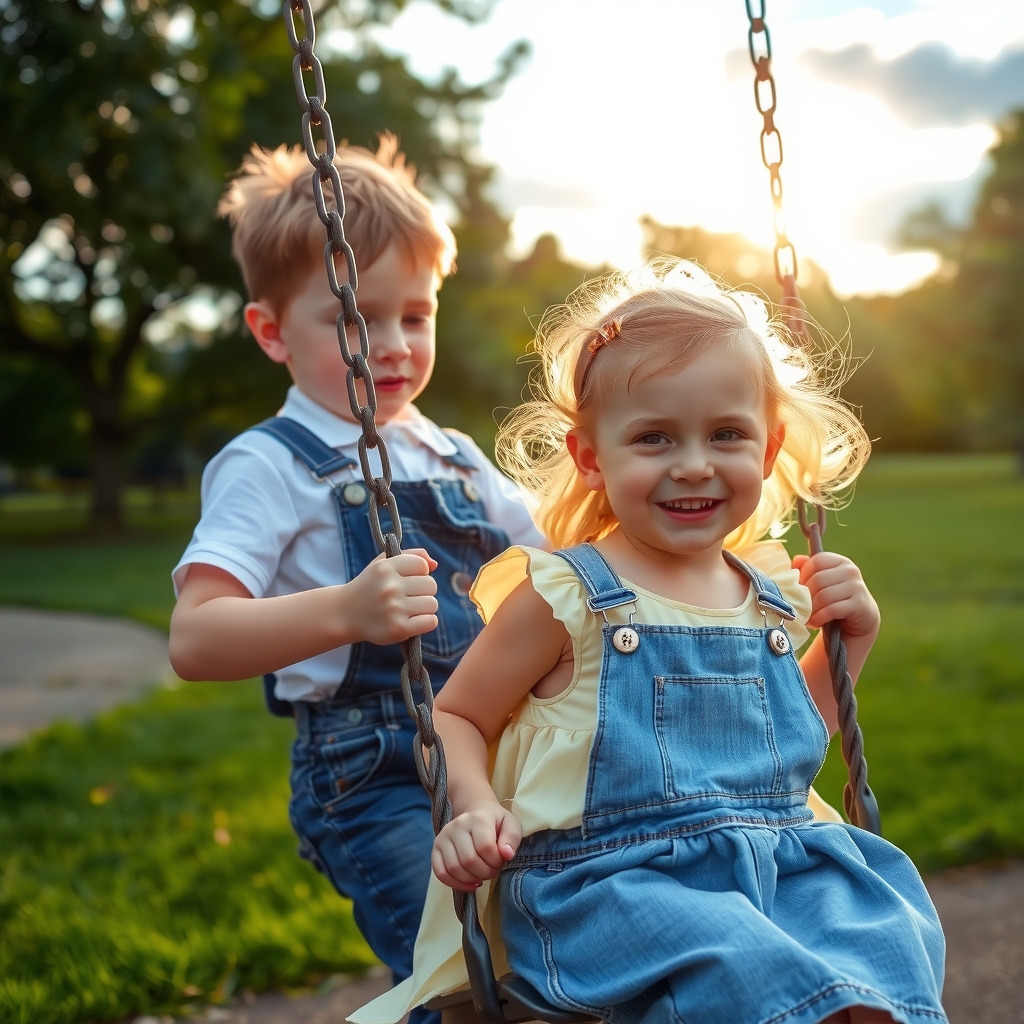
x=48 y=559
x=941 y=544
x=125 y=903
x=117 y=898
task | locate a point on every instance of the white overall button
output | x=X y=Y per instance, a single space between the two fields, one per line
x=470 y=491
x=354 y=494
x=354 y=715
x=625 y=640
x=778 y=641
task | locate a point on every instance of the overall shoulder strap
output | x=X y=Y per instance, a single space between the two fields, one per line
x=460 y=457
x=317 y=456
x=598 y=577
x=766 y=590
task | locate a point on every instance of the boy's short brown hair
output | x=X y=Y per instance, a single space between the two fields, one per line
x=278 y=238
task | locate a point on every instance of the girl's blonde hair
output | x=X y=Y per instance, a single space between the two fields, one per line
x=674 y=306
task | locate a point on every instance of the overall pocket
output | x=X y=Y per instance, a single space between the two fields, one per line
x=348 y=760
x=716 y=738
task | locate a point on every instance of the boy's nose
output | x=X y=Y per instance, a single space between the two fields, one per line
x=387 y=342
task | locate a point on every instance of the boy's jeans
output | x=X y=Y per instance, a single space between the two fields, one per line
x=363 y=818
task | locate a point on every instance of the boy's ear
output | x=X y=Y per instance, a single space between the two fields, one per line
x=262 y=321
x=775 y=438
x=585 y=457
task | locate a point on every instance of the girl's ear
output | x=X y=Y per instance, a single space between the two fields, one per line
x=583 y=454
x=775 y=438
x=262 y=321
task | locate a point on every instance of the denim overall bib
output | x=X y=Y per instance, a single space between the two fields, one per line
x=698 y=888
x=357 y=805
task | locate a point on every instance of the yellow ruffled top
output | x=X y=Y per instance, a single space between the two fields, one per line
x=550 y=738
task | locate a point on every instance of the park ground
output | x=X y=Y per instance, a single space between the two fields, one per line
x=147 y=862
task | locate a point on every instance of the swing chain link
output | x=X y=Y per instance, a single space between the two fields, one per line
x=432 y=769
x=759 y=46
x=858 y=800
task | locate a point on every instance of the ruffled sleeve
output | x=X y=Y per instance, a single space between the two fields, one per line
x=552 y=577
x=772 y=558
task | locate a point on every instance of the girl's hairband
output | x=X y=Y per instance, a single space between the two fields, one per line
x=607 y=332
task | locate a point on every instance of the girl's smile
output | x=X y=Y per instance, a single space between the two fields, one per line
x=681 y=452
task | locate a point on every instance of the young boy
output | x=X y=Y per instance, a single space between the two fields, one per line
x=267 y=585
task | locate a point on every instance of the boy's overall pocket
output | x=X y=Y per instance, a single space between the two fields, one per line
x=716 y=738
x=348 y=760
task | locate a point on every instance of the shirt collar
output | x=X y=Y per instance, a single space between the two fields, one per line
x=339 y=433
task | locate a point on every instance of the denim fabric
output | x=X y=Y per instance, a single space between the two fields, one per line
x=358 y=808
x=698 y=888
x=363 y=819
x=448 y=519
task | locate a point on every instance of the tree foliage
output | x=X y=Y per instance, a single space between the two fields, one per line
x=120 y=123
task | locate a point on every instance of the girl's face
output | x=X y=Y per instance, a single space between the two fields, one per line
x=682 y=453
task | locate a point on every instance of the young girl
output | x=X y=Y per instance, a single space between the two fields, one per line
x=652 y=737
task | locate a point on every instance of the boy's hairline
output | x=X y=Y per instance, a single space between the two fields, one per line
x=316 y=260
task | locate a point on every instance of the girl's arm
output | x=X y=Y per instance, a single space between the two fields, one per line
x=521 y=644
x=838 y=594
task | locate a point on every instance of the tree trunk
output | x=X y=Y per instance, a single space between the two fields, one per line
x=106 y=514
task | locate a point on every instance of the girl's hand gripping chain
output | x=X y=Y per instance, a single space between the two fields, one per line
x=474 y=846
x=838 y=594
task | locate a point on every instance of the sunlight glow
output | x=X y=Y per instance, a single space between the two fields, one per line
x=646 y=107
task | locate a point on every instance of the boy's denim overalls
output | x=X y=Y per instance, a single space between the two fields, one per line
x=357 y=805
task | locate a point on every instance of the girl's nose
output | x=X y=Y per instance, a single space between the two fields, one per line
x=692 y=463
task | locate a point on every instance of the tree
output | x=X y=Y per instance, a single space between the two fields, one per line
x=120 y=123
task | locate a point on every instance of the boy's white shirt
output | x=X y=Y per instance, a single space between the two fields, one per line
x=268 y=523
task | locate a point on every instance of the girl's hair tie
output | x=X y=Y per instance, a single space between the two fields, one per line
x=607 y=332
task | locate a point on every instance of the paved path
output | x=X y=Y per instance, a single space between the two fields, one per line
x=66 y=665
x=56 y=665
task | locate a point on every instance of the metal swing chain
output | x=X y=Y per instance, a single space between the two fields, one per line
x=433 y=772
x=858 y=800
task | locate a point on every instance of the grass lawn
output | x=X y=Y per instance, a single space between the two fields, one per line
x=146 y=859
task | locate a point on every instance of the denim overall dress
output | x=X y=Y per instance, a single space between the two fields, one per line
x=357 y=805
x=698 y=889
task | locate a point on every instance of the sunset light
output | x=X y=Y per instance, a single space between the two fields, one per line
x=646 y=107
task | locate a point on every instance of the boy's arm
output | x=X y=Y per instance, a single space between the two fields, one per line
x=838 y=594
x=220 y=631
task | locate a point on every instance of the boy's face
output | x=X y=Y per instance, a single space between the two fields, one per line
x=398 y=300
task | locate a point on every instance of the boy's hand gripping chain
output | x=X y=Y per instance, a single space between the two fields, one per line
x=511 y=998
x=858 y=800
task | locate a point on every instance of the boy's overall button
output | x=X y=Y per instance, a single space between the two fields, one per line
x=461 y=582
x=625 y=640
x=470 y=491
x=354 y=494
x=778 y=641
x=355 y=715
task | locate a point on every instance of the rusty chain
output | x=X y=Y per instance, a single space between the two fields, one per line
x=433 y=772
x=858 y=800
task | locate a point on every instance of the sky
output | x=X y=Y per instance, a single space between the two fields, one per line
x=633 y=107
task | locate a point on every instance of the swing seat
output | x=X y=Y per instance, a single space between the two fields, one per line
x=505 y=1000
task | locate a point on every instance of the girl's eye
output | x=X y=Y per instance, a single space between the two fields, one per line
x=651 y=438
x=726 y=434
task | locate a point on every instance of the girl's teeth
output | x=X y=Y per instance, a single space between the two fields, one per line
x=690 y=506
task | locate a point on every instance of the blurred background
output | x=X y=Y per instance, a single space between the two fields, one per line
x=146 y=863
